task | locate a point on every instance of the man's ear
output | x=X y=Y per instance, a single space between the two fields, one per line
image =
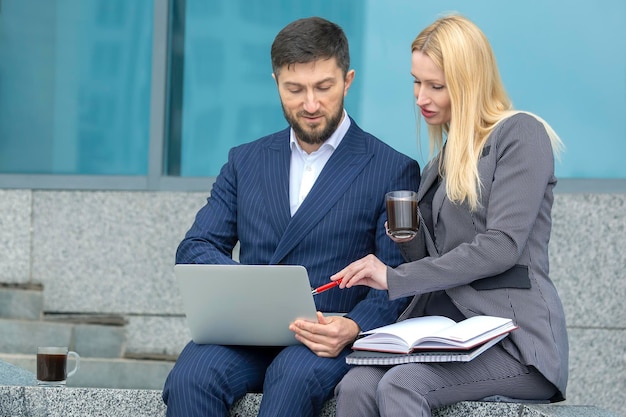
x=274 y=77
x=348 y=81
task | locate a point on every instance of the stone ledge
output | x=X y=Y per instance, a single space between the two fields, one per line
x=26 y=401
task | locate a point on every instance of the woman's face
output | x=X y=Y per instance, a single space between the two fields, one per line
x=430 y=89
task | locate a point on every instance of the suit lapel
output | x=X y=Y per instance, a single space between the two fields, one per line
x=342 y=168
x=276 y=157
x=429 y=177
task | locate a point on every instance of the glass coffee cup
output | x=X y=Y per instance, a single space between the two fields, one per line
x=52 y=365
x=402 y=218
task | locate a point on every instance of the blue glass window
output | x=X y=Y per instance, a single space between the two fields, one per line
x=228 y=94
x=75 y=86
x=151 y=94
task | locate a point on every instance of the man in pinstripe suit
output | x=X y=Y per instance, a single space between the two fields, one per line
x=312 y=195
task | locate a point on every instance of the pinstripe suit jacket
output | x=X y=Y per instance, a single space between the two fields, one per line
x=494 y=260
x=341 y=219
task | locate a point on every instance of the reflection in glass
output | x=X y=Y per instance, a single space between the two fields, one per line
x=75 y=86
x=228 y=94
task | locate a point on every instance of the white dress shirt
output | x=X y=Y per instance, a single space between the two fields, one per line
x=305 y=168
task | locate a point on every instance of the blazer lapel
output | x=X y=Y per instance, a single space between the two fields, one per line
x=438 y=200
x=338 y=174
x=276 y=157
x=429 y=177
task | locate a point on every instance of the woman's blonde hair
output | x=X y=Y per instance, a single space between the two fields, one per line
x=478 y=102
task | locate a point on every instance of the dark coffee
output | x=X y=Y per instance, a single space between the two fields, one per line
x=51 y=367
x=402 y=217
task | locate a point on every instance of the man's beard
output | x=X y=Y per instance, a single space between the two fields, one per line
x=314 y=137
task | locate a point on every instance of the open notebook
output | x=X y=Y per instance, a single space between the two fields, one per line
x=244 y=304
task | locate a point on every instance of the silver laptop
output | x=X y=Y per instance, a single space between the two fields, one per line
x=244 y=304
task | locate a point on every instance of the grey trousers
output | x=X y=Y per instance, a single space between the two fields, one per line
x=413 y=390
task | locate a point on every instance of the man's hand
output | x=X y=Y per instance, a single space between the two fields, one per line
x=328 y=336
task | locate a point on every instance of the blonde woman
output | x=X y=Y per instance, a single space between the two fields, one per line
x=485 y=202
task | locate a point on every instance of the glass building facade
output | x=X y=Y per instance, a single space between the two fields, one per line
x=151 y=94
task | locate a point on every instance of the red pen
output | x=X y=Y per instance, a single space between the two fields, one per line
x=326 y=287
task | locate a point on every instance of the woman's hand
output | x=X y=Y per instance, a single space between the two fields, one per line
x=368 y=271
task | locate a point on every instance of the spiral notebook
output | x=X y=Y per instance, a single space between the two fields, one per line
x=367 y=357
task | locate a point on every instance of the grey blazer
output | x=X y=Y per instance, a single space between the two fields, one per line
x=494 y=261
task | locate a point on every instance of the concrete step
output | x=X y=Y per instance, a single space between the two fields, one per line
x=18 y=401
x=89 y=340
x=21 y=302
x=23 y=336
x=106 y=373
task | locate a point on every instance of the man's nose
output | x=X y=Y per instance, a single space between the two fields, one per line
x=311 y=103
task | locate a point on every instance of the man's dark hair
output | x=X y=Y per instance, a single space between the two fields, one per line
x=307 y=40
